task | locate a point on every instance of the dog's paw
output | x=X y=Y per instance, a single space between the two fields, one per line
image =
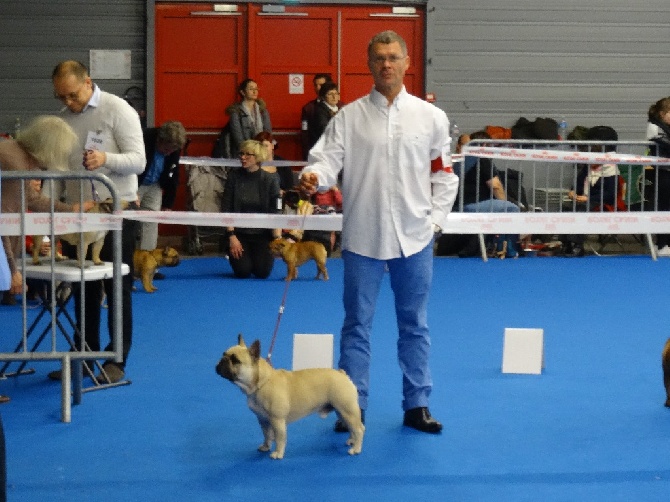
x=276 y=455
x=264 y=447
x=354 y=451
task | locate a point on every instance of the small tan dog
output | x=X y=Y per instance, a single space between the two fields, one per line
x=95 y=238
x=146 y=263
x=279 y=397
x=666 y=371
x=295 y=254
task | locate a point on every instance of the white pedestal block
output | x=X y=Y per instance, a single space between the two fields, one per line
x=312 y=351
x=523 y=351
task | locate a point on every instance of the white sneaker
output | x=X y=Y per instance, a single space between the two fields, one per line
x=664 y=252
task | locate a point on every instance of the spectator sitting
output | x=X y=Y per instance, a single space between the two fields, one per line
x=482 y=190
x=596 y=186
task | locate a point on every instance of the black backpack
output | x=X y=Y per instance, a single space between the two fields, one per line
x=222 y=144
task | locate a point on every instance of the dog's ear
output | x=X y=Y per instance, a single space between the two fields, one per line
x=240 y=340
x=255 y=350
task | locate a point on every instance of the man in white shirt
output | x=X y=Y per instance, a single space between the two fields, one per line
x=110 y=143
x=398 y=187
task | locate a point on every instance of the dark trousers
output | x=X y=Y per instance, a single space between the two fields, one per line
x=574 y=239
x=257 y=259
x=94 y=293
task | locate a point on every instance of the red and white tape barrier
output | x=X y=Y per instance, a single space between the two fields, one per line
x=571 y=156
x=458 y=223
x=63 y=223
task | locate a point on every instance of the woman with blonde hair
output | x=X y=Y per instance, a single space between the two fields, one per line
x=251 y=190
x=45 y=144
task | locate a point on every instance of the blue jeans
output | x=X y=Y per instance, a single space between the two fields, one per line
x=411 y=278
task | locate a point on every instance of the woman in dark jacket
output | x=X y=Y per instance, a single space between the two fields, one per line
x=251 y=190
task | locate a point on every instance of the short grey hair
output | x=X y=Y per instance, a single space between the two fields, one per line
x=172 y=133
x=50 y=140
x=387 y=37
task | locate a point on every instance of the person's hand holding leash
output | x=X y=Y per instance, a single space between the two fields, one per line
x=94 y=159
x=309 y=183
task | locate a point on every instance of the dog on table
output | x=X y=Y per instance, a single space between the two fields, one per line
x=666 y=371
x=146 y=262
x=279 y=397
x=95 y=238
x=295 y=254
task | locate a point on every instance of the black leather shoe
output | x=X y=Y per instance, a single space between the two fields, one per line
x=420 y=419
x=8 y=298
x=341 y=426
x=159 y=276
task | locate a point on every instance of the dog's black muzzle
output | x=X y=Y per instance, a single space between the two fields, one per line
x=223 y=369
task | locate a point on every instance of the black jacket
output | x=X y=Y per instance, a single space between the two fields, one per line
x=169 y=180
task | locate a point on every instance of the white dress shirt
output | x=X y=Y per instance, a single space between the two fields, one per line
x=391 y=195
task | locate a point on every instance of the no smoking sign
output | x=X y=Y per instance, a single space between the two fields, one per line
x=296 y=83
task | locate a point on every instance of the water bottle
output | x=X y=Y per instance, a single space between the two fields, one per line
x=17 y=126
x=563 y=130
x=455 y=131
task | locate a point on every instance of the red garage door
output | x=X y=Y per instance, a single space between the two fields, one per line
x=203 y=51
x=202 y=54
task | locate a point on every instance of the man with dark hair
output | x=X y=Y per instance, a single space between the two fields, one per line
x=309 y=134
x=596 y=187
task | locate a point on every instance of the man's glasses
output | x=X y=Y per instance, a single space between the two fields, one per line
x=73 y=96
x=393 y=58
x=332 y=94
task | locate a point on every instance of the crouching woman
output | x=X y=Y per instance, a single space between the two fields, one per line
x=251 y=190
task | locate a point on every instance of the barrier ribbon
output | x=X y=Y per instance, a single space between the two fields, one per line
x=458 y=223
x=571 y=156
